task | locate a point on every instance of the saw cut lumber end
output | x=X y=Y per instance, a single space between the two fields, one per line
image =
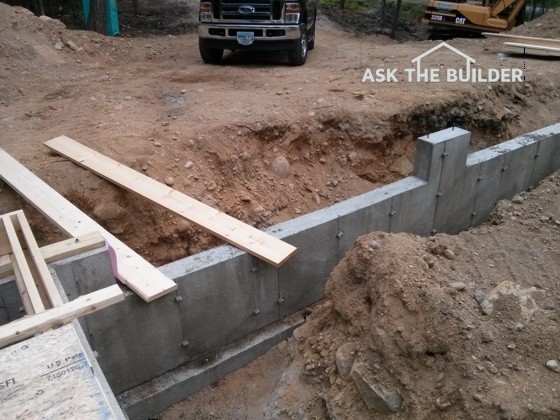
x=147 y=282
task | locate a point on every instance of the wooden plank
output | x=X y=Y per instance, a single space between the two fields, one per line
x=60 y=250
x=5 y=246
x=73 y=246
x=526 y=39
x=30 y=325
x=53 y=376
x=231 y=230
x=533 y=47
x=20 y=283
x=39 y=284
x=39 y=263
x=21 y=268
x=142 y=277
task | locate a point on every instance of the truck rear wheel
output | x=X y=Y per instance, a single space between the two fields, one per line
x=209 y=55
x=298 y=55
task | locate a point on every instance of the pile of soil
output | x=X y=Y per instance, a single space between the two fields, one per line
x=462 y=326
x=451 y=327
x=545 y=26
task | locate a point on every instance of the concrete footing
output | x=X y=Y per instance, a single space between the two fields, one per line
x=150 y=398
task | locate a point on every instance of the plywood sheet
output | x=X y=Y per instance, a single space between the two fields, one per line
x=50 y=376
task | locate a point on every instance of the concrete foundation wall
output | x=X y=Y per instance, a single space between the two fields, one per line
x=225 y=294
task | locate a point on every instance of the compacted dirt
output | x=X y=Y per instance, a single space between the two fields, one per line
x=443 y=327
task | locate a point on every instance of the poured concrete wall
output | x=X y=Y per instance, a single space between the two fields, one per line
x=225 y=294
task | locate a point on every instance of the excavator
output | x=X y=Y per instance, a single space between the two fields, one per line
x=466 y=16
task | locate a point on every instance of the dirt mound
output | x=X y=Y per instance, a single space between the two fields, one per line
x=545 y=26
x=34 y=47
x=441 y=327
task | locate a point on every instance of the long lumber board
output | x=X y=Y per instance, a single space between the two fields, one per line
x=528 y=40
x=231 y=230
x=534 y=47
x=30 y=325
x=137 y=273
x=59 y=250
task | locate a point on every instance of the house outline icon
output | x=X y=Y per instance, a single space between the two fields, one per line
x=467 y=58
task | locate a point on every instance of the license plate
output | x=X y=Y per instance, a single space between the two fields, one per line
x=245 y=38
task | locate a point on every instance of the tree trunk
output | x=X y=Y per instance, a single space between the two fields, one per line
x=97 y=18
x=396 y=18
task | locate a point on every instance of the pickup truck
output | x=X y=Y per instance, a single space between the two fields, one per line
x=264 y=25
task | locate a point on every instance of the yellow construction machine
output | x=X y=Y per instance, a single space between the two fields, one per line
x=488 y=16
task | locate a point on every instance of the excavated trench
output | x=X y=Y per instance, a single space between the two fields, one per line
x=275 y=173
x=264 y=174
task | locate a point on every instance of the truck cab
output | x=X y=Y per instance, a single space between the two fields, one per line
x=265 y=25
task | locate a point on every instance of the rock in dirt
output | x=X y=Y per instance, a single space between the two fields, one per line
x=344 y=359
x=553 y=365
x=169 y=181
x=109 y=212
x=374 y=395
x=508 y=288
x=281 y=167
x=458 y=285
x=449 y=254
x=54 y=22
x=72 y=45
x=402 y=166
